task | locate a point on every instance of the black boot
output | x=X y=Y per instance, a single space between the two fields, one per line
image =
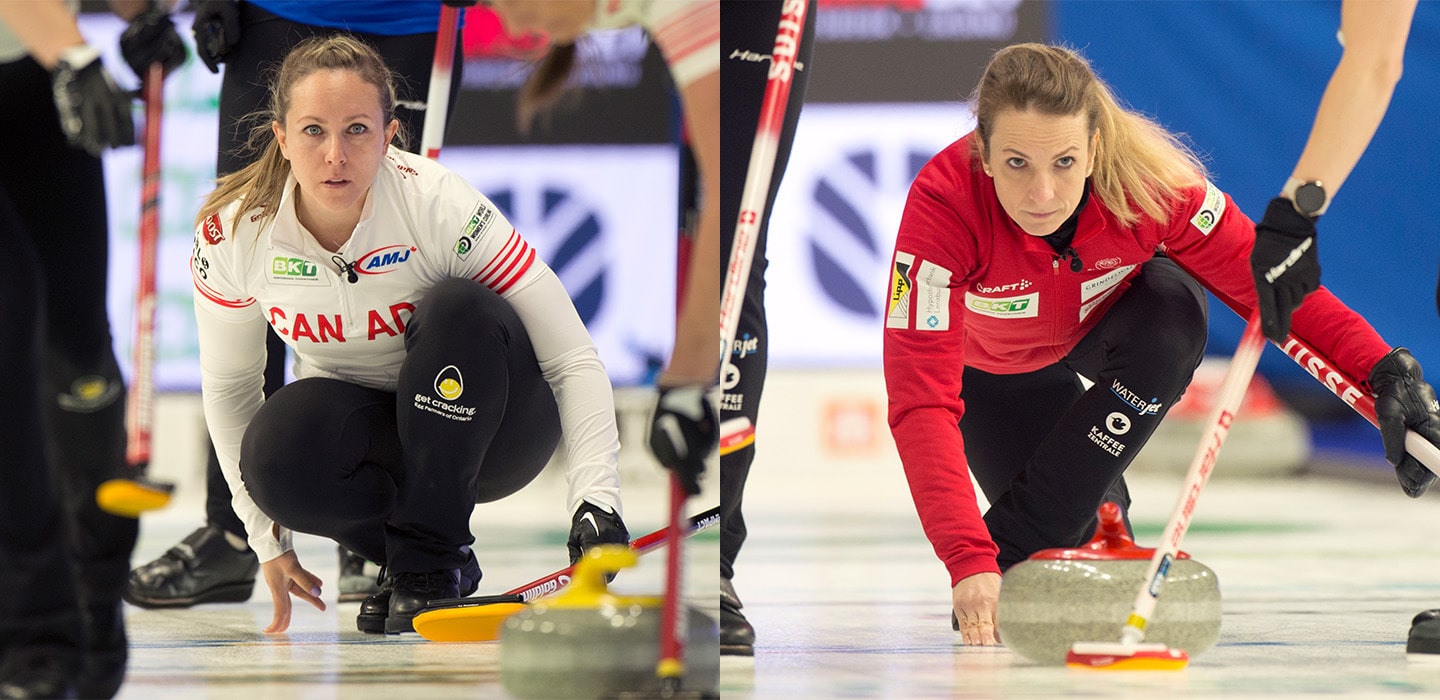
x=376 y=609
x=413 y=591
x=1423 y=643
x=106 y=650
x=39 y=671
x=203 y=568
x=737 y=636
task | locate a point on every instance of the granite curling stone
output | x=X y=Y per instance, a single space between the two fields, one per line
x=1061 y=596
x=585 y=642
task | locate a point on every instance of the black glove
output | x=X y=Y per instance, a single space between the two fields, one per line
x=217 y=30
x=459 y=3
x=594 y=525
x=1403 y=400
x=94 y=113
x=151 y=38
x=1285 y=264
x=683 y=432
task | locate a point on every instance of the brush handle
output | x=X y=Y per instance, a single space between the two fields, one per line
x=1227 y=404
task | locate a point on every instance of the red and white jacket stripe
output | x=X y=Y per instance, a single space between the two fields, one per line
x=969 y=288
x=421 y=224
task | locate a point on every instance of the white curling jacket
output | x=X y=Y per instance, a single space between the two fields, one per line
x=421 y=224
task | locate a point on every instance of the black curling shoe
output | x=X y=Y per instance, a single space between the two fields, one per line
x=737 y=635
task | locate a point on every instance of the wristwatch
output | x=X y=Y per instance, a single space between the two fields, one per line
x=1308 y=196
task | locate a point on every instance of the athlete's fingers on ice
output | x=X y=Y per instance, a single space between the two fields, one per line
x=281 y=621
x=311 y=596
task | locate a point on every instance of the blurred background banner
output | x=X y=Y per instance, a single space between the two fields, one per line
x=1240 y=78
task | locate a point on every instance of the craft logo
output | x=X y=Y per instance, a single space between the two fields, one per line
x=383 y=260
x=1020 y=286
x=559 y=220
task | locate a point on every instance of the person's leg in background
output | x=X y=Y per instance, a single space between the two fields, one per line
x=746 y=27
x=67 y=414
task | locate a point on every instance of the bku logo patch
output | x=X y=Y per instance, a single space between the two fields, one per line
x=285 y=269
x=1027 y=306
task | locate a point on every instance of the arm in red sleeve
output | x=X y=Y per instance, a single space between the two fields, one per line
x=923 y=377
x=1219 y=258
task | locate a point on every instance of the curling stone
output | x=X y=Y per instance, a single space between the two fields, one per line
x=1061 y=596
x=586 y=642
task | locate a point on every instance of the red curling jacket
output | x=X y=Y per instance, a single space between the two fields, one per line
x=968 y=287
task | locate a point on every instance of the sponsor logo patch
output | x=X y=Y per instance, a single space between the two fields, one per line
x=285 y=269
x=932 y=297
x=1105 y=441
x=475 y=228
x=211 y=230
x=383 y=260
x=897 y=314
x=1210 y=210
x=1141 y=406
x=1092 y=292
x=1027 y=306
x=1117 y=423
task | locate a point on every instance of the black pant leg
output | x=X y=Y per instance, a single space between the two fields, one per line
x=39 y=603
x=1141 y=356
x=394 y=476
x=748 y=26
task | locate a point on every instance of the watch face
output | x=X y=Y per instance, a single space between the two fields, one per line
x=1310 y=198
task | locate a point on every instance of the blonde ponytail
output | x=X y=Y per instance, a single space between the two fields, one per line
x=1139 y=165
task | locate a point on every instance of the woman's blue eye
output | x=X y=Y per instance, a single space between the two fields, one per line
x=358 y=128
x=1015 y=162
x=312 y=130
x=1066 y=161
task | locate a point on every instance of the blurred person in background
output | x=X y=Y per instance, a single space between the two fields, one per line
x=62 y=559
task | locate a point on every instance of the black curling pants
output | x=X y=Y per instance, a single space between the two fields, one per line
x=62 y=400
x=748 y=27
x=394 y=477
x=265 y=39
x=1047 y=453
